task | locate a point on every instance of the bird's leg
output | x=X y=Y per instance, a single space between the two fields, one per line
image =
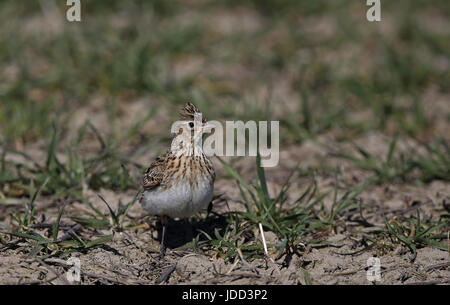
x=162 y=250
x=188 y=229
x=210 y=207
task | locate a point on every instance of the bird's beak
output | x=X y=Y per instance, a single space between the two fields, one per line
x=208 y=127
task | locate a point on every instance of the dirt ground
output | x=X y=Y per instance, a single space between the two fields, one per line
x=132 y=256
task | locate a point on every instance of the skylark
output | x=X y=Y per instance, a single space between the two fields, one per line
x=180 y=183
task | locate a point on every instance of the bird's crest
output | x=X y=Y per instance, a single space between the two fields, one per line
x=188 y=112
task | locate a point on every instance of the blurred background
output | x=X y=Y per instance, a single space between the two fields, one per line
x=117 y=78
x=364 y=112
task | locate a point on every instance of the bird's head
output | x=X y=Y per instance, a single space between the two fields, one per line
x=189 y=130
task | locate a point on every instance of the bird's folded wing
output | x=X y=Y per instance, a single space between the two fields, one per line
x=155 y=173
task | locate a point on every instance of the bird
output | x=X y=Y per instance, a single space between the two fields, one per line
x=180 y=182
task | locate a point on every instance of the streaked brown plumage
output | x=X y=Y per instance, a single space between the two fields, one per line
x=180 y=182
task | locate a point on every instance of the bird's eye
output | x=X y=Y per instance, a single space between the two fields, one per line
x=191 y=124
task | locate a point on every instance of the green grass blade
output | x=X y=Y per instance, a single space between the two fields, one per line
x=55 y=227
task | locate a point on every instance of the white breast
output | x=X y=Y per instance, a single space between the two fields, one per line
x=181 y=200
